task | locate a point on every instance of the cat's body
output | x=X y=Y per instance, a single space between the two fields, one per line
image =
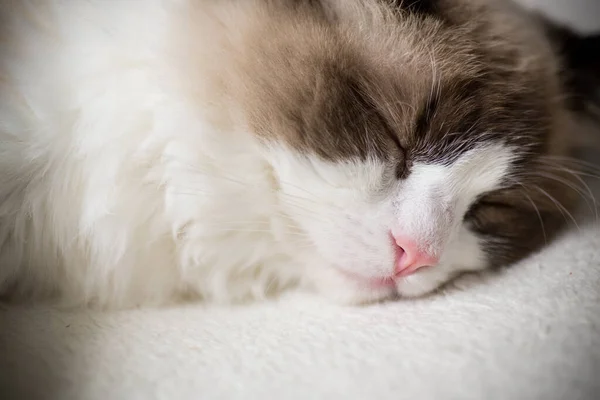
x=228 y=150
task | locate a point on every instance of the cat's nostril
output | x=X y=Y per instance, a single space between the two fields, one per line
x=409 y=257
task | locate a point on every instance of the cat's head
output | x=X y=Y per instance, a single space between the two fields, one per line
x=410 y=141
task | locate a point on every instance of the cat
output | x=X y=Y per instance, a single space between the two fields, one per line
x=227 y=151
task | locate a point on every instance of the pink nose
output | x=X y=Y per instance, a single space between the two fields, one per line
x=410 y=258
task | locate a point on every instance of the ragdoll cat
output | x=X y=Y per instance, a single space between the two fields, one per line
x=228 y=150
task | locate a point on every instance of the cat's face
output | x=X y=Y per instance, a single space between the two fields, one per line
x=407 y=147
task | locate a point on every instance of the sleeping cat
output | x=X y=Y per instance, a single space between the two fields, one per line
x=230 y=150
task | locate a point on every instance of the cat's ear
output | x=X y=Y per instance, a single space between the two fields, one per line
x=580 y=61
x=325 y=9
x=340 y=9
x=424 y=7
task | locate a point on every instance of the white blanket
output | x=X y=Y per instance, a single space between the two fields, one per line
x=531 y=332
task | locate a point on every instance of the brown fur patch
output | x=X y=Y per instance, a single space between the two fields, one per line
x=359 y=78
x=384 y=79
x=523 y=218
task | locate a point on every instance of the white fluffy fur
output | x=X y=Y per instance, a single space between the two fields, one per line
x=117 y=187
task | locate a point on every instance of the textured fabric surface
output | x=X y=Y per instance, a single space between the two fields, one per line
x=531 y=332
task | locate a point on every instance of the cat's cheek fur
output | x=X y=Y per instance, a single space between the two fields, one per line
x=342 y=209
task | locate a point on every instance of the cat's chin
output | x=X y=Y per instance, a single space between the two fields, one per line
x=343 y=289
x=425 y=281
x=346 y=290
